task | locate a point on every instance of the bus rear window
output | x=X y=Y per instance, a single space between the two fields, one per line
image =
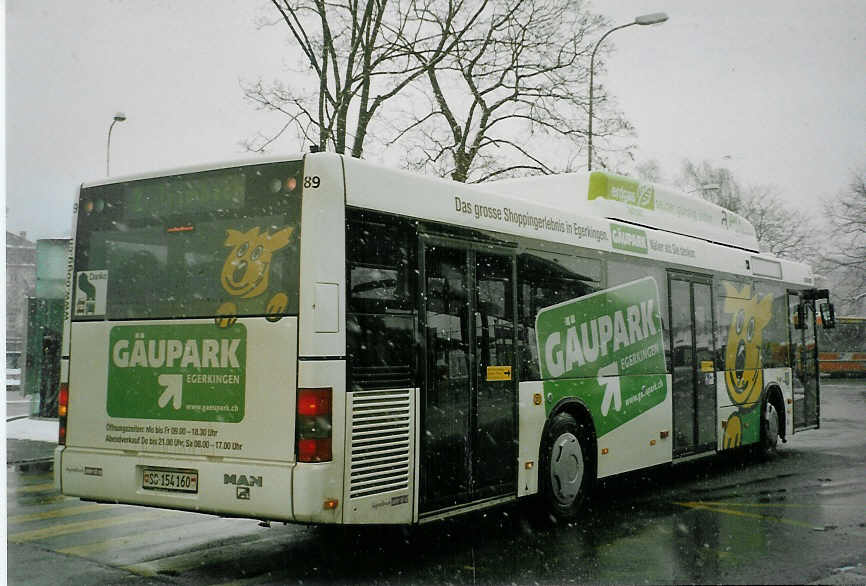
x=222 y=242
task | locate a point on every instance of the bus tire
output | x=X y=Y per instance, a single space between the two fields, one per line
x=770 y=425
x=567 y=466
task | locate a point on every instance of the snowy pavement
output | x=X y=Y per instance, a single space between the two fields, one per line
x=34 y=429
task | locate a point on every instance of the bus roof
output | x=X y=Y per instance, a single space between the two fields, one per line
x=616 y=197
x=599 y=206
x=578 y=209
x=194 y=169
x=597 y=194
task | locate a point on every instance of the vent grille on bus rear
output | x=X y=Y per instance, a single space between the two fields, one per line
x=381 y=377
x=381 y=441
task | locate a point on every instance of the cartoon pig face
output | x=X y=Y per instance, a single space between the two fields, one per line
x=247 y=268
x=743 y=374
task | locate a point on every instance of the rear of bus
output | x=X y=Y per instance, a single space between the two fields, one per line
x=181 y=386
x=842 y=349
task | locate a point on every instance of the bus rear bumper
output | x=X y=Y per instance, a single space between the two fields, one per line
x=237 y=488
x=58 y=459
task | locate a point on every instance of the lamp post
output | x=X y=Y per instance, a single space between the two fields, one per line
x=706 y=187
x=119 y=117
x=645 y=19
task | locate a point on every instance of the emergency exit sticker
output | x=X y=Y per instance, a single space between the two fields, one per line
x=496 y=373
x=91 y=288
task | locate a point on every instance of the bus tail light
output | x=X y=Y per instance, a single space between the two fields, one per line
x=314 y=425
x=62 y=407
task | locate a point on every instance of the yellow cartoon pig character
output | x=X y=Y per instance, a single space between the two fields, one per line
x=743 y=365
x=246 y=271
x=733 y=432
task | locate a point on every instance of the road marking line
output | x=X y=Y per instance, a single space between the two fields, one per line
x=782 y=505
x=265 y=578
x=198 y=558
x=37 y=500
x=121 y=542
x=58 y=513
x=701 y=506
x=45 y=476
x=31 y=488
x=82 y=526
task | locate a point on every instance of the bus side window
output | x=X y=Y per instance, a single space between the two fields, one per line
x=381 y=313
x=624 y=271
x=545 y=279
x=774 y=337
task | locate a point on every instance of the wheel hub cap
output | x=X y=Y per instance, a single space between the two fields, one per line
x=566 y=468
x=772 y=425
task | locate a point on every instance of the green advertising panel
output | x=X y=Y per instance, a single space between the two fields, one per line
x=611 y=343
x=628 y=239
x=190 y=372
x=622 y=189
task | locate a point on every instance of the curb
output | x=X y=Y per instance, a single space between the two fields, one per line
x=21 y=452
x=31 y=460
x=845 y=575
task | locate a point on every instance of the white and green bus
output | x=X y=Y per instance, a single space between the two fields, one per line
x=321 y=340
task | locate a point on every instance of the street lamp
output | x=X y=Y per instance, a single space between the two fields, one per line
x=645 y=19
x=119 y=117
x=706 y=187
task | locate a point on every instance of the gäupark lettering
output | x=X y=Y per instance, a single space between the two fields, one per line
x=207 y=353
x=606 y=334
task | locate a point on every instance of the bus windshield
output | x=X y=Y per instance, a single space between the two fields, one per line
x=196 y=245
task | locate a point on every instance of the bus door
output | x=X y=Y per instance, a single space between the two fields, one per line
x=468 y=398
x=693 y=364
x=804 y=364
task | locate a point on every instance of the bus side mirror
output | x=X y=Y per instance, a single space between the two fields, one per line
x=800 y=318
x=828 y=316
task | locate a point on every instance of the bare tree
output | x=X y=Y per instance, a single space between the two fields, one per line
x=781 y=230
x=512 y=95
x=847 y=256
x=649 y=170
x=715 y=184
x=360 y=54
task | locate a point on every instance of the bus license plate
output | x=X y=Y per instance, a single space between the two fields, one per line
x=178 y=480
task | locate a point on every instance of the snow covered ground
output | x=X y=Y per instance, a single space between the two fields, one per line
x=42 y=430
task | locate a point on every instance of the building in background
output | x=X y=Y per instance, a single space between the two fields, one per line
x=20 y=284
x=40 y=376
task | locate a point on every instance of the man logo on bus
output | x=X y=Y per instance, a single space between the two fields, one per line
x=743 y=365
x=246 y=271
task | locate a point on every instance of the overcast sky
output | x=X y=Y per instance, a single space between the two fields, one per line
x=775 y=90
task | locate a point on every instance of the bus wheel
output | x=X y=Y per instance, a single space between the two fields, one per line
x=566 y=466
x=769 y=429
